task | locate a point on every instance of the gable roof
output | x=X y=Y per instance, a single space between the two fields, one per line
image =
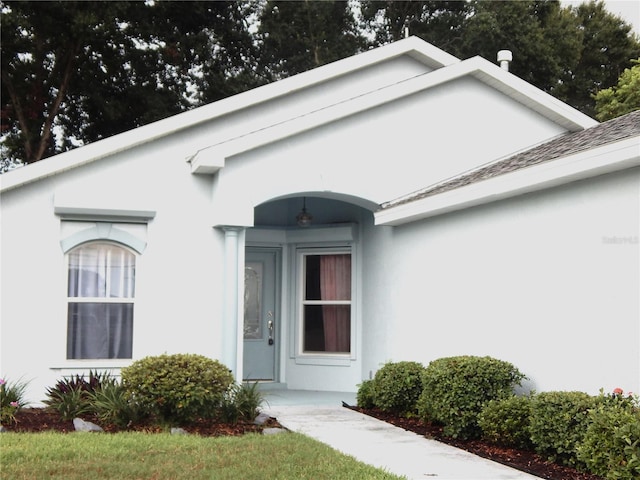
x=209 y=160
x=212 y=158
x=620 y=135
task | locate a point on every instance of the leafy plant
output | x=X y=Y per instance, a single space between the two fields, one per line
x=611 y=444
x=241 y=402
x=456 y=389
x=71 y=397
x=113 y=406
x=365 y=394
x=397 y=386
x=11 y=400
x=177 y=388
x=506 y=421
x=559 y=423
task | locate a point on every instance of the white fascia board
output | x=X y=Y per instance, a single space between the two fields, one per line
x=413 y=46
x=209 y=159
x=608 y=158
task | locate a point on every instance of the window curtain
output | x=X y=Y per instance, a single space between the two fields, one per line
x=335 y=284
x=100 y=329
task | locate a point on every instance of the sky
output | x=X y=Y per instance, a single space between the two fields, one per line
x=629 y=10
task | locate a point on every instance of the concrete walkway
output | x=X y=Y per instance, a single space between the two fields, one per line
x=320 y=415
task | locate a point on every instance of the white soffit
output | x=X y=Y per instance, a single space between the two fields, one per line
x=608 y=158
x=413 y=46
x=210 y=159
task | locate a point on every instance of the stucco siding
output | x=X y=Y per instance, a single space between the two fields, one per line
x=179 y=276
x=548 y=281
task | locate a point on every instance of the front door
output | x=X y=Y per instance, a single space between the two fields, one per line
x=260 y=314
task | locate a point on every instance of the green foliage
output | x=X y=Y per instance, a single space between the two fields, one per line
x=113 y=406
x=365 y=394
x=506 y=421
x=70 y=397
x=611 y=444
x=558 y=424
x=621 y=98
x=11 y=400
x=177 y=388
x=456 y=389
x=299 y=36
x=241 y=402
x=397 y=386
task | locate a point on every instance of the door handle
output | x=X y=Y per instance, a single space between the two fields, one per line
x=270 y=327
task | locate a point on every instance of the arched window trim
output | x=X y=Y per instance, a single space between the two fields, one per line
x=103 y=232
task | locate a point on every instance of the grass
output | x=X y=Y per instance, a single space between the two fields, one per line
x=163 y=456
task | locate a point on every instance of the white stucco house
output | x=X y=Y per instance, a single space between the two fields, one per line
x=455 y=209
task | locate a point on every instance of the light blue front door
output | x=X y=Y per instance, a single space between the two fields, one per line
x=260 y=314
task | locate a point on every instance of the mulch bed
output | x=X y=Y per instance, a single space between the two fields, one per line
x=523 y=460
x=42 y=420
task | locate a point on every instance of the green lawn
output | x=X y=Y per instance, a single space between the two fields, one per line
x=126 y=456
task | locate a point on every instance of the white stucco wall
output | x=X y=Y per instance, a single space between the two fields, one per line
x=178 y=275
x=548 y=281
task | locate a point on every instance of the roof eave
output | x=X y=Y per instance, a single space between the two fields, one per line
x=605 y=159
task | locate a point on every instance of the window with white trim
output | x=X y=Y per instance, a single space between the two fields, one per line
x=326 y=302
x=100 y=297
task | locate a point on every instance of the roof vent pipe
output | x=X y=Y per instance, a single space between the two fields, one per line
x=504 y=58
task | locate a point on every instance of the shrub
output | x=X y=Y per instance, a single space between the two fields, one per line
x=177 y=388
x=241 y=402
x=364 y=395
x=558 y=424
x=506 y=421
x=611 y=444
x=455 y=389
x=11 y=400
x=70 y=397
x=113 y=406
x=397 y=386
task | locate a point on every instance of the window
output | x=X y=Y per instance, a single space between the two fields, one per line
x=326 y=303
x=100 y=290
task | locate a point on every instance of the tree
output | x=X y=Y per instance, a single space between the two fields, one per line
x=88 y=70
x=606 y=50
x=299 y=36
x=438 y=22
x=568 y=52
x=621 y=98
x=542 y=36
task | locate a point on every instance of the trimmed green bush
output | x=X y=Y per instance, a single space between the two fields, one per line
x=364 y=396
x=506 y=421
x=611 y=444
x=558 y=424
x=397 y=386
x=177 y=388
x=455 y=390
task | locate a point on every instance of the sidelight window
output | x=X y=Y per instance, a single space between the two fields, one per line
x=326 y=302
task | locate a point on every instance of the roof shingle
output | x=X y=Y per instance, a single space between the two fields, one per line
x=568 y=144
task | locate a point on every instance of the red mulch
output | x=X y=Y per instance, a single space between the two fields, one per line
x=523 y=460
x=39 y=420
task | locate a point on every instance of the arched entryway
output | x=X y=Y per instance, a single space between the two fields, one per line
x=302 y=313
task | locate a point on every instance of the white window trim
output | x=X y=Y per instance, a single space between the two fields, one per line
x=322 y=358
x=74 y=363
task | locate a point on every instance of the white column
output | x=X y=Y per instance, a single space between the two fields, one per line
x=233 y=295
